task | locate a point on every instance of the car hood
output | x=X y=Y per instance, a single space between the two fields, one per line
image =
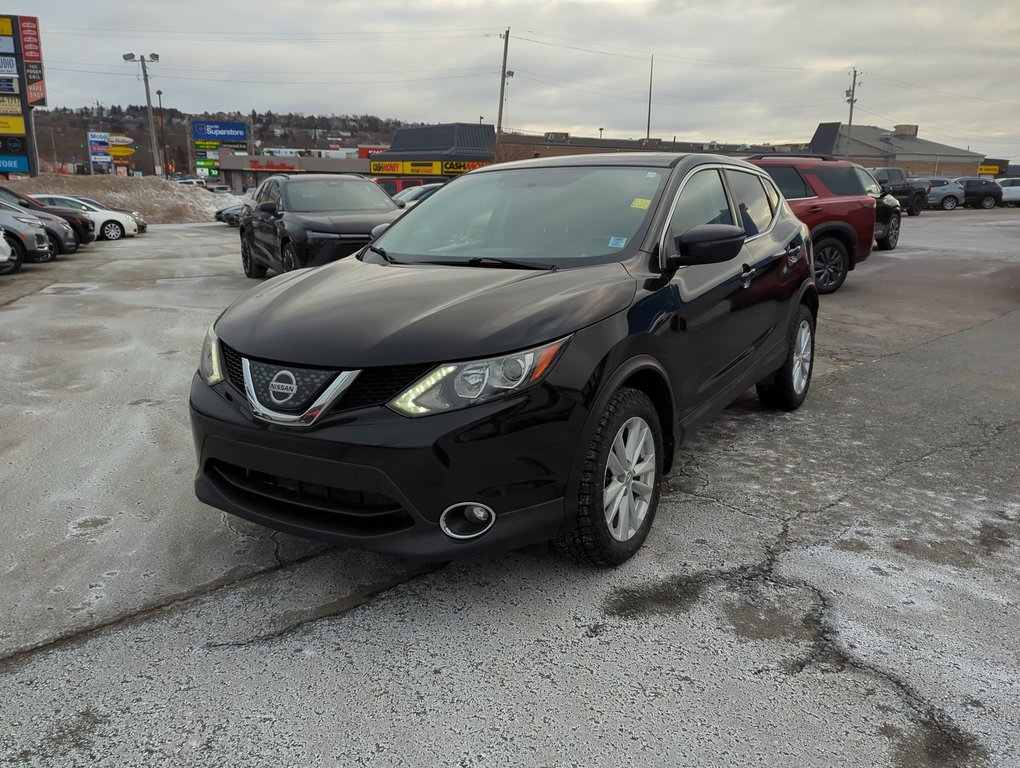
x=353 y=314
x=353 y=223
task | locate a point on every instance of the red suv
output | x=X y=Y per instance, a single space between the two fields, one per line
x=830 y=197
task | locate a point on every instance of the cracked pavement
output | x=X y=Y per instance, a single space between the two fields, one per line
x=835 y=586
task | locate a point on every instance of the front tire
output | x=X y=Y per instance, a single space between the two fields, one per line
x=892 y=237
x=987 y=202
x=618 y=492
x=832 y=263
x=55 y=247
x=251 y=269
x=789 y=385
x=112 y=230
x=949 y=203
x=916 y=205
x=289 y=257
x=12 y=265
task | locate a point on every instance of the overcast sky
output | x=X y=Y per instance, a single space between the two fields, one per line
x=749 y=71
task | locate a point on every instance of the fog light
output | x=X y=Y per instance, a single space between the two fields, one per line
x=478 y=514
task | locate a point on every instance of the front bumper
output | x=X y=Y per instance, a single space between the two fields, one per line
x=373 y=479
x=37 y=245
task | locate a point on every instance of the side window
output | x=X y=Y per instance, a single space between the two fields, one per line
x=703 y=201
x=871 y=186
x=273 y=193
x=260 y=193
x=938 y=182
x=790 y=181
x=839 y=179
x=752 y=204
x=773 y=195
x=882 y=176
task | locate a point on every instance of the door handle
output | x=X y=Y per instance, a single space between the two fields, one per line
x=816 y=209
x=747 y=274
x=793 y=249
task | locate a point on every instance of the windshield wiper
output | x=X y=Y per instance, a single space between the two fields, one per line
x=491 y=261
x=381 y=252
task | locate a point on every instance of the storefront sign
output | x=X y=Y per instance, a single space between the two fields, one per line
x=13 y=145
x=386 y=166
x=231 y=131
x=6 y=45
x=120 y=141
x=406 y=167
x=116 y=151
x=10 y=105
x=207 y=145
x=101 y=157
x=6 y=26
x=8 y=65
x=9 y=85
x=14 y=164
x=270 y=165
x=31 y=49
x=453 y=167
x=988 y=170
x=12 y=126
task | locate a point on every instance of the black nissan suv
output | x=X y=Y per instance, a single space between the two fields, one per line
x=515 y=360
x=310 y=220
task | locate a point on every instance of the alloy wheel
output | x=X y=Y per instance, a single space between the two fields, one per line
x=828 y=266
x=629 y=479
x=949 y=203
x=988 y=202
x=802 y=357
x=112 y=230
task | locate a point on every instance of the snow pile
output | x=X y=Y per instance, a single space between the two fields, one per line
x=161 y=202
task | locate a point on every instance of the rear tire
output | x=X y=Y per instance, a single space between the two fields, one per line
x=251 y=269
x=832 y=263
x=618 y=491
x=949 y=203
x=892 y=237
x=987 y=202
x=789 y=385
x=17 y=257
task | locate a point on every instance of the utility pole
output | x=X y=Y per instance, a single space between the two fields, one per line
x=153 y=57
x=162 y=132
x=502 y=88
x=851 y=97
x=648 y=129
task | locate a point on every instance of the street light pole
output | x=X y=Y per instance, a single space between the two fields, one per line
x=153 y=57
x=162 y=132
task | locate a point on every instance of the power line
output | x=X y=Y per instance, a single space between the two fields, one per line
x=281 y=82
x=944 y=93
x=280 y=72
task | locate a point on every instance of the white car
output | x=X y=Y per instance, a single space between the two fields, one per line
x=110 y=225
x=5 y=249
x=1010 y=190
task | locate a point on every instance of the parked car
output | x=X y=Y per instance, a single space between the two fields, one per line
x=980 y=192
x=82 y=224
x=829 y=196
x=191 y=182
x=111 y=225
x=414 y=195
x=219 y=188
x=1010 y=191
x=26 y=236
x=58 y=232
x=136 y=215
x=230 y=215
x=310 y=219
x=912 y=193
x=516 y=366
x=888 y=211
x=945 y=193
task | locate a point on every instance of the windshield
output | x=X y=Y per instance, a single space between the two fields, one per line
x=552 y=215
x=336 y=195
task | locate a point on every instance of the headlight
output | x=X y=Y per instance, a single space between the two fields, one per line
x=458 y=385
x=30 y=222
x=209 y=364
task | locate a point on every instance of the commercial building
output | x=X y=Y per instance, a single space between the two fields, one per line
x=900 y=147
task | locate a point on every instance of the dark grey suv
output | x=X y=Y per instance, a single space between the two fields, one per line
x=979 y=192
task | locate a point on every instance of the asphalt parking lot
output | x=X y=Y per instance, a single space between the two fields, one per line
x=835 y=586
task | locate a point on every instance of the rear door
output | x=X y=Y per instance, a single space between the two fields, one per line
x=263 y=224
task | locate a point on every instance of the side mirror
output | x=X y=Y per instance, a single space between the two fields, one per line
x=268 y=207
x=378 y=229
x=400 y=203
x=23 y=203
x=704 y=244
x=885 y=189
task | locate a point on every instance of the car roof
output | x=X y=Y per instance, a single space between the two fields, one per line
x=622 y=159
x=802 y=161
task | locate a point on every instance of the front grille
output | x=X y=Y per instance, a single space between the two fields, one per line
x=235 y=371
x=377 y=386
x=373 y=386
x=344 y=510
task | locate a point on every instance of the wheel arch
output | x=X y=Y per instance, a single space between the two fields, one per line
x=841 y=231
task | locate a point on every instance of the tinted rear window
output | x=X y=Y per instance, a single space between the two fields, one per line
x=839 y=180
x=790 y=182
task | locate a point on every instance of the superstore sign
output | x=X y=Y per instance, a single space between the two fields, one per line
x=206 y=131
x=208 y=137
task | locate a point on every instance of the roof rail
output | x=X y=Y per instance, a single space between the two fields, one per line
x=766 y=155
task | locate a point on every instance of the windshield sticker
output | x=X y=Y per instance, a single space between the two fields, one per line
x=641 y=202
x=651 y=175
x=617 y=242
